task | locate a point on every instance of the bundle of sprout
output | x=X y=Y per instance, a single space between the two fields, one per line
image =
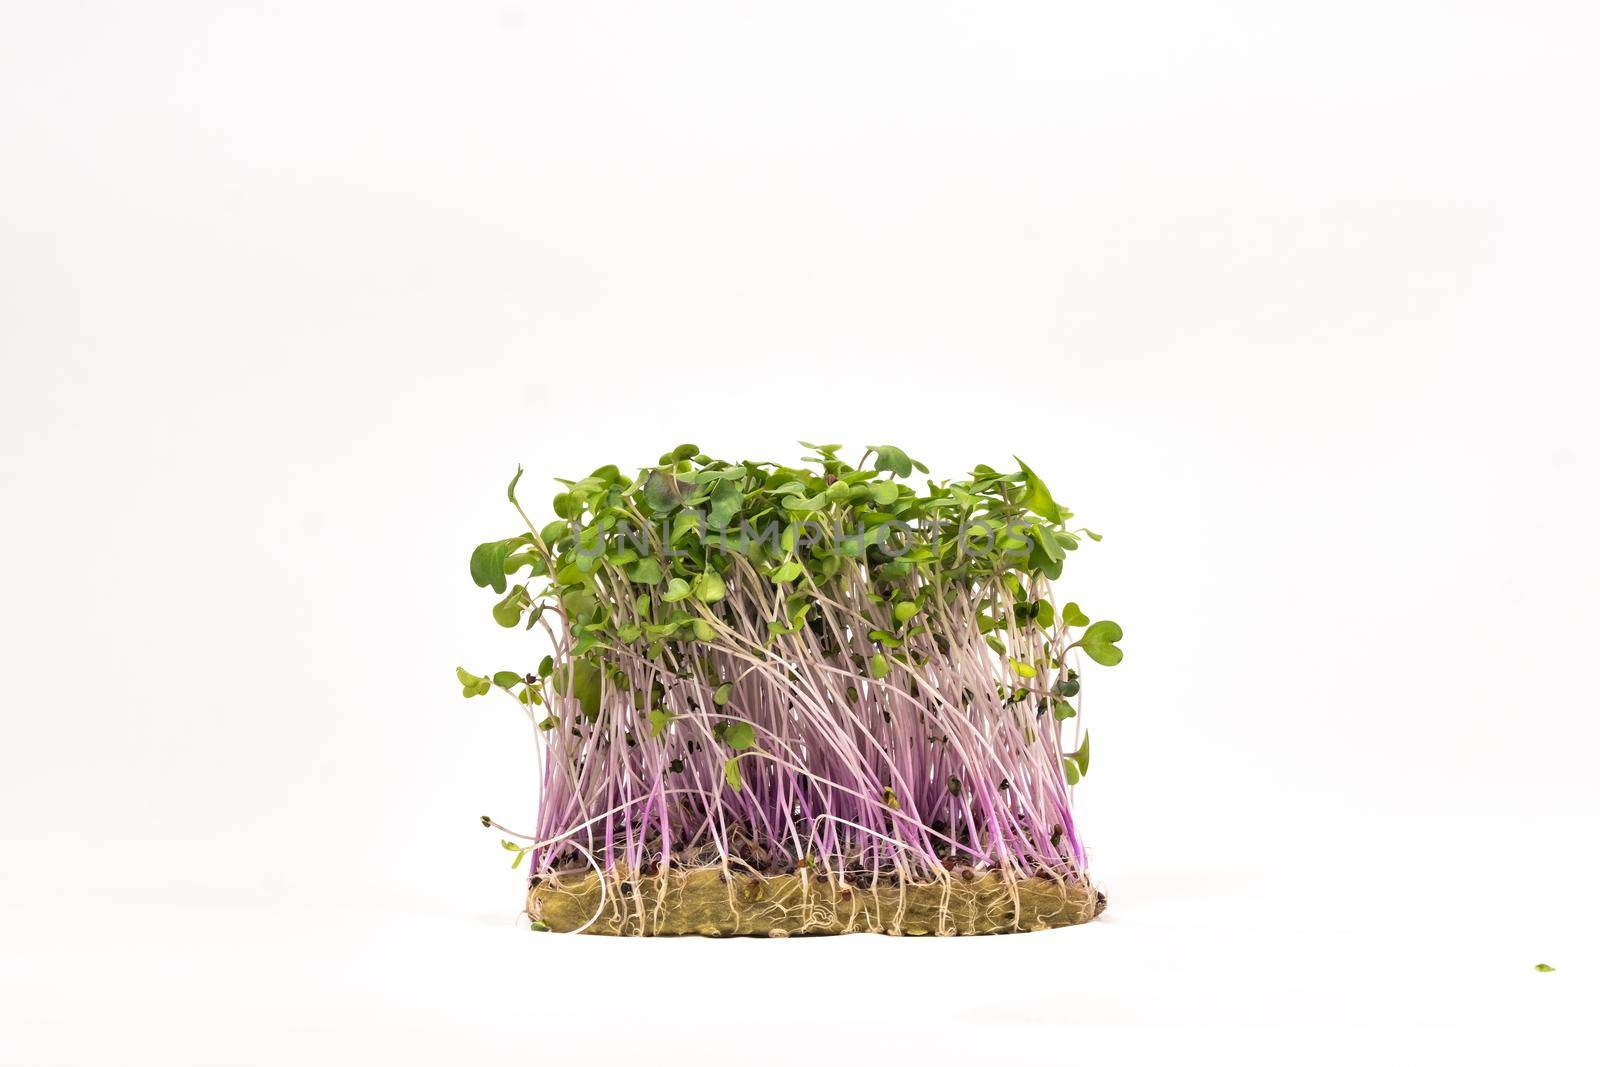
x=787 y=700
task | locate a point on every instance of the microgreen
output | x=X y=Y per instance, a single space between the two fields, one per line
x=894 y=649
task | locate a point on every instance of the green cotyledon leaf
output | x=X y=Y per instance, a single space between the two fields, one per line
x=646 y=571
x=587 y=683
x=788 y=572
x=471 y=684
x=1072 y=615
x=739 y=736
x=1036 y=495
x=710 y=588
x=726 y=500
x=1099 y=642
x=488 y=563
x=661 y=491
x=890 y=458
x=508 y=612
x=658 y=722
x=1080 y=755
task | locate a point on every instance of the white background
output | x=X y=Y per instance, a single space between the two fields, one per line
x=1296 y=303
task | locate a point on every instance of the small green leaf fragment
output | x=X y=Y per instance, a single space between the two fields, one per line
x=506 y=679
x=1543 y=968
x=677 y=589
x=880 y=665
x=1047 y=545
x=739 y=736
x=796 y=608
x=730 y=774
x=586 y=686
x=720 y=697
x=1072 y=615
x=904 y=610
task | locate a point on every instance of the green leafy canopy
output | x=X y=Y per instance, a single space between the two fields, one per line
x=759 y=562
